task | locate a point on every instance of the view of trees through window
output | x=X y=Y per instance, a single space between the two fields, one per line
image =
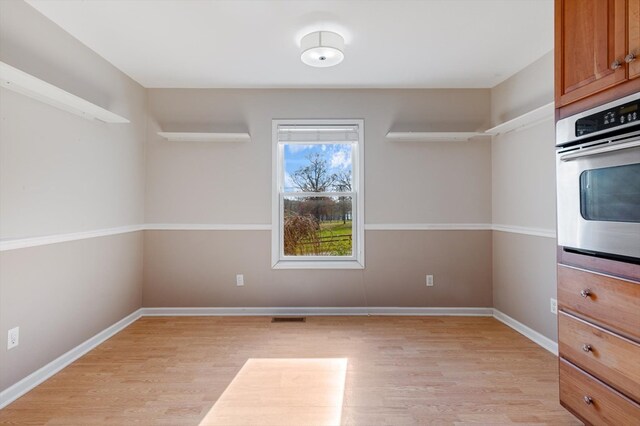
x=318 y=200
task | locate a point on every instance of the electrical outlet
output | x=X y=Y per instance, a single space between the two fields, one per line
x=429 y=280
x=554 y=306
x=239 y=280
x=13 y=338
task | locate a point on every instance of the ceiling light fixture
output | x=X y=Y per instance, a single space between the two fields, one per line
x=322 y=49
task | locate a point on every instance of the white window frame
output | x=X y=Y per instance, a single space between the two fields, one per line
x=278 y=259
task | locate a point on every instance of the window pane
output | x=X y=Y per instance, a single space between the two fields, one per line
x=318 y=226
x=317 y=167
x=611 y=194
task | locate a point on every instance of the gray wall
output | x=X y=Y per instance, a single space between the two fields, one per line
x=225 y=183
x=405 y=183
x=524 y=279
x=523 y=191
x=197 y=268
x=60 y=173
x=62 y=294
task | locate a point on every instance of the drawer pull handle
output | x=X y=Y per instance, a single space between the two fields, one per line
x=585 y=293
x=586 y=348
x=587 y=400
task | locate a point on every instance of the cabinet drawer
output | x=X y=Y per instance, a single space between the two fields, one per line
x=611 y=358
x=608 y=301
x=593 y=401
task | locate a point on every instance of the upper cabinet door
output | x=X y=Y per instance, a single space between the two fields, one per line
x=590 y=47
x=633 y=54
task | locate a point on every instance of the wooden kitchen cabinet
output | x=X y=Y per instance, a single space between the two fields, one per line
x=590 y=47
x=633 y=42
x=597 y=53
x=597 y=60
x=599 y=342
x=609 y=301
x=592 y=401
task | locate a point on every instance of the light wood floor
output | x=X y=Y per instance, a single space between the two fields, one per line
x=400 y=371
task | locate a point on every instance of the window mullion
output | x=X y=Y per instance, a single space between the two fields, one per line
x=281 y=225
x=318 y=194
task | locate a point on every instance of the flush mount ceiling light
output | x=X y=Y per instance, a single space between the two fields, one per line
x=322 y=49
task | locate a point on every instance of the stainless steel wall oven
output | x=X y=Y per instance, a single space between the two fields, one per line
x=598 y=173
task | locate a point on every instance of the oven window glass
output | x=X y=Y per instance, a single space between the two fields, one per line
x=611 y=194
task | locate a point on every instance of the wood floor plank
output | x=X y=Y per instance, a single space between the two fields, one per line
x=400 y=371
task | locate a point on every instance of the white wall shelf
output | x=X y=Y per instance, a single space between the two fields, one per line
x=205 y=137
x=432 y=136
x=21 y=82
x=525 y=120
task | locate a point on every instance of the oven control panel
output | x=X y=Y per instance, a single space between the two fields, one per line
x=609 y=118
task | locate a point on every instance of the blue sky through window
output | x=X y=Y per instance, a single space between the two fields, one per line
x=337 y=157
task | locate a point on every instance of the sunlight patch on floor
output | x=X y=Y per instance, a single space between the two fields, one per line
x=292 y=391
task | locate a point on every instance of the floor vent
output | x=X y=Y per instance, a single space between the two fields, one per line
x=288 y=319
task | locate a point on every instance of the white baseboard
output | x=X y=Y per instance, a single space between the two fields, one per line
x=34 y=379
x=527 y=332
x=258 y=311
x=15 y=391
x=318 y=311
x=447 y=312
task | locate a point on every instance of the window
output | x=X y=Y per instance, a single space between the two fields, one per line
x=318 y=219
x=610 y=194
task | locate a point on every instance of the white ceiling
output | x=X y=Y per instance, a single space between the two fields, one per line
x=244 y=43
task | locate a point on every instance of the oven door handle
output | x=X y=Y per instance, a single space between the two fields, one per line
x=600 y=150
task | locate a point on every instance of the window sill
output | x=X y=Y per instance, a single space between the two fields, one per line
x=318 y=264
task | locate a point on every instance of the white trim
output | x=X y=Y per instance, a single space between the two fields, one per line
x=263 y=311
x=318 y=263
x=19 y=243
x=319 y=311
x=526 y=120
x=205 y=137
x=538 y=232
x=317 y=194
x=278 y=260
x=15 y=391
x=431 y=311
x=275 y=195
x=433 y=136
x=206 y=227
x=427 y=227
x=526 y=331
x=26 y=84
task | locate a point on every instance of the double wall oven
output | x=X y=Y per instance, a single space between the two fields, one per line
x=598 y=173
